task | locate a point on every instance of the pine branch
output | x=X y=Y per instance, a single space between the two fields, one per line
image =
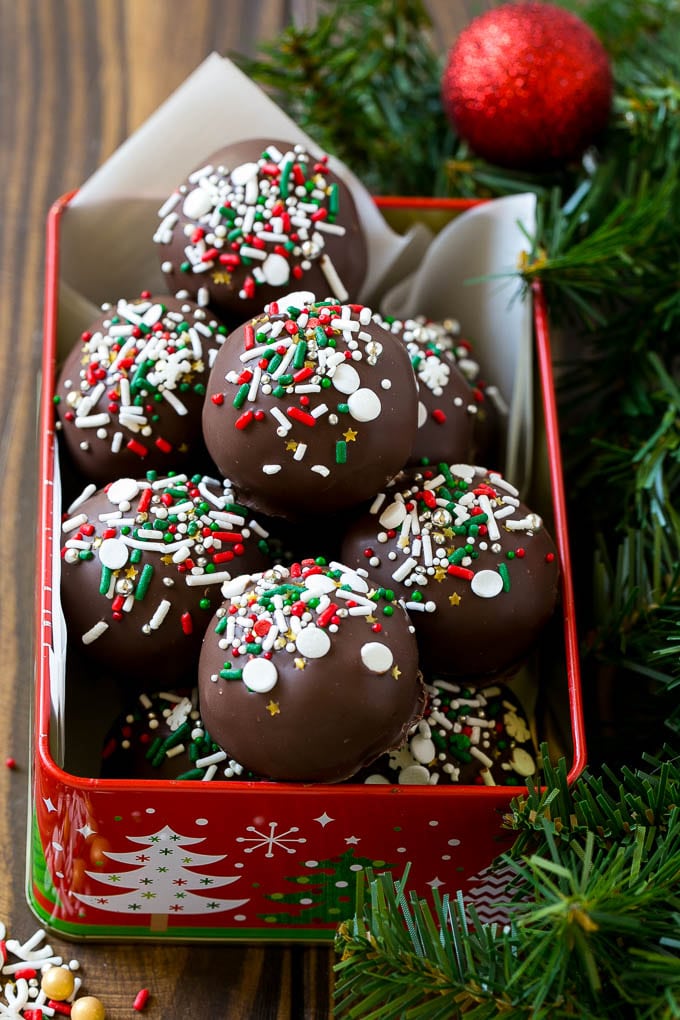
x=596 y=902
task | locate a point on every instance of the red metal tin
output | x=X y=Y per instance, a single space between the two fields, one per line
x=112 y=859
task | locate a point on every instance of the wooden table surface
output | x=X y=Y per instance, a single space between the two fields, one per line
x=76 y=78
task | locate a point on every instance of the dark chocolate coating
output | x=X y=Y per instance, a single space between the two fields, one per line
x=228 y=213
x=330 y=698
x=487 y=598
x=457 y=420
x=466 y=737
x=321 y=436
x=160 y=735
x=155 y=609
x=94 y=373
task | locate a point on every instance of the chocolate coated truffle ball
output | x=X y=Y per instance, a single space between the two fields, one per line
x=130 y=392
x=307 y=675
x=474 y=566
x=142 y=565
x=311 y=407
x=256 y=219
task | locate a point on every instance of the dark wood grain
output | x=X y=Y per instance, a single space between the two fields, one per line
x=76 y=78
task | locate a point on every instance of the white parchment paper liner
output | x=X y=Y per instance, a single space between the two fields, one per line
x=464 y=272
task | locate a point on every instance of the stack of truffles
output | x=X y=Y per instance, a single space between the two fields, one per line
x=284 y=550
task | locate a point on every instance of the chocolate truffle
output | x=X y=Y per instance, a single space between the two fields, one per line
x=305 y=674
x=130 y=392
x=256 y=219
x=466 y=736
x=311 y=407
x=474 y=566
x=142 y=565
x=160 y=735
x=459 y=413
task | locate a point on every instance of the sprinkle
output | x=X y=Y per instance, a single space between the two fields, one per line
x=94 y=632
x=141 y=999
x=160 y=614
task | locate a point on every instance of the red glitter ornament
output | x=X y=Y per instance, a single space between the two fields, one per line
x=528 y=86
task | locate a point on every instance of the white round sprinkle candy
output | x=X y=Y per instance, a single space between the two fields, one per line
x=422 y=414
x=522 y=762
x=320 y=584
x=364 y=405
x=312 y=642
x=422 y=748
x=355 y=581
x=346 y=378
x=376 y=780
x=376 y=656
x=393 y=515
x=260 y=675
x=122 y=490
x=197 y=203
x=276 y=270
x=487 y=584
x=243 y=173
x=414 y=775
x=464 y=471
x=113 y=553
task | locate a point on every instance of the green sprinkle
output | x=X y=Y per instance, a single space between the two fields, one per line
x=503 y=571
x=231 y=674
x=105 y=580
x=144 y=581
x=241 y=394
x=341 y=452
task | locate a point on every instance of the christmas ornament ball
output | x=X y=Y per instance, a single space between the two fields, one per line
x=528 y=86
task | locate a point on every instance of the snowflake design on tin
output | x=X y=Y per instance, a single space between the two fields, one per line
x=271 y=840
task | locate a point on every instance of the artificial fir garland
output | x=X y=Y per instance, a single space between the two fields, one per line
x=596 y=925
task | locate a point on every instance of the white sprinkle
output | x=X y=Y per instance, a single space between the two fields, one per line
x=376 y=657
x=174 y=401
x=321 y=469
x=94 y=632
x=404 y=569
x=312 y=641
x=487 y=584
x=271 y=469
x=196 y=580
x=300 y=451
x=333 y=279
x=73 y=523
x=260 y=675
x=160 y=614
x=85 y=494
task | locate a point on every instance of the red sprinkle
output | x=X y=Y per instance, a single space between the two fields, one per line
x=187 y=623
x=302 y=416
x=457 y=571
x=163 y=445
x=137 y=448
x=59 y=1007
x=141 y=999
x=10 y=763
x=144 y=500
x=217 y=399
x=439 y=416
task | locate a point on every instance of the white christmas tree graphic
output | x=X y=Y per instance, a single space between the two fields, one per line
x=162 y=882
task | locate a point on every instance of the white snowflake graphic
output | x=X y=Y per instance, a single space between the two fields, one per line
x=271 y=840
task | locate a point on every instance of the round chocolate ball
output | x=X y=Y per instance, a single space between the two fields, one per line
x=307 y=675
x=257 y=219
x=467 y=736
x=311 y=407
x=473 y=565
x=142 y=565
x=459 y=416
x=130 y=392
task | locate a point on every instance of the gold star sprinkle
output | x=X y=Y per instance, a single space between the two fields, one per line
x=370 y=618
x=292 y=445
x=131 y=573
x=221 y=277
x=350 y=435
x=273 y=708
x=439 y=573
x=300 y=663
x=166 y=559
x=454 y=599
x=396 y=672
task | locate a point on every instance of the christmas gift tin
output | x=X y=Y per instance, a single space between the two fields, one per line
x=248 y=860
